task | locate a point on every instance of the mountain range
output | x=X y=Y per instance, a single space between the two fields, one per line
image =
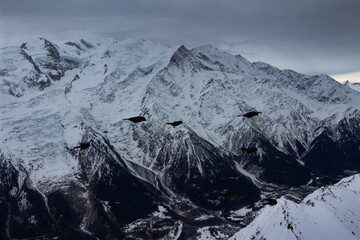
x=150 y=180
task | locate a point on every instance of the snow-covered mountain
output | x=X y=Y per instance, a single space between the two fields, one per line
x=332 y=212
x=353 y=85
x=55 y=97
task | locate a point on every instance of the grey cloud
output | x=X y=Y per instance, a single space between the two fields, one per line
x=309 y=36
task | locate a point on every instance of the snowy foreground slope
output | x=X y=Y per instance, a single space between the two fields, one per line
x=149 y=178
x=332 y=212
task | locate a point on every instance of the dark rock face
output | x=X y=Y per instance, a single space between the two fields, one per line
x=115 y=196
x=3 y=72
x=29 y=58
x=50 y=69
x=73 y=45
x=8 y=182
x=29 y=215
x=69 y=85
x=324 y=155
x=34 y=80
x=23 y=45
x=70 y=64
x=180 y=55
x=269 y=164
x=204 y=184
x=55 y=63
x=66 y=219
x=23 y=210
x=280 y=168
x=183 y=57
x=127 y=197
x=52 y=51
x=86 y=44
x=332 y=152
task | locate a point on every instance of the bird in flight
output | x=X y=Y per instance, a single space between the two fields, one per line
x=174 y=124
x=250 y=114
x=136 y=119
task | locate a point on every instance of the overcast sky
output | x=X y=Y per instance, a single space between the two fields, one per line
x=309 y=36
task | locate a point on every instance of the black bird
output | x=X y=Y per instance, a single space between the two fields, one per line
x=249 y=150
x=174 y=124
x=250 y=114
x=136 y=119
x=83 y=146
x=228 y=194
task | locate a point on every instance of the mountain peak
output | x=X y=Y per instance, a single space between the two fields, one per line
x=181 y=53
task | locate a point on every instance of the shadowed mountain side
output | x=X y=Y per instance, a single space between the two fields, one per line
x=334 y=151
x=116 y=196
x=280 y=168
x=201 y=172
x=269 y=164
x=27 y=213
